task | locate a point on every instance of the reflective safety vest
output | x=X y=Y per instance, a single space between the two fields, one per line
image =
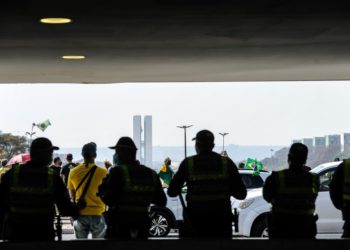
x=137 y=197
x=295 y=200
x=208 y=186
x=346 y=184
x=28 y=201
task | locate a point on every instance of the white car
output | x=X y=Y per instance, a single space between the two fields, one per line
x=164 y=219
x=254 y=209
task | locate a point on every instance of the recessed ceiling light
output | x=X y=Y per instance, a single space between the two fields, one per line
x=73 y=57
x=55 y=20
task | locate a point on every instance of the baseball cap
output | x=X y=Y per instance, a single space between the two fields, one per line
x=204 y=136
x=42 y=144
x=89 y=148
x=125 y=142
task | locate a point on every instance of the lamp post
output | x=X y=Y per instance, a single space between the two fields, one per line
x=185 y=127
x=30 y=134
x=223 y=140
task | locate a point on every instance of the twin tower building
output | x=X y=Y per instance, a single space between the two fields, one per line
x=142 y=136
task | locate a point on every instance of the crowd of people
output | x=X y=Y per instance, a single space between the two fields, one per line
x=113 y=201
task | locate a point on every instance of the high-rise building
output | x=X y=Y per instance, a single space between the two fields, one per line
x=308 y=142
x=319 y=142
x=333 y=142
x=143 y=141
x=346 y=137
x=296 y=141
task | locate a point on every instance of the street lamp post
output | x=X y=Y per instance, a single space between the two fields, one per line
x=223 y=140
x=185 y=127
x=30 y=134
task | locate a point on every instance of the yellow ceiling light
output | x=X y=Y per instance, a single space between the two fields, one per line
x=55 y=20
x=73 y=57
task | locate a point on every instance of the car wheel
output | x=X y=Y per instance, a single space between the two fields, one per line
x=160 y=224
x=260 y=229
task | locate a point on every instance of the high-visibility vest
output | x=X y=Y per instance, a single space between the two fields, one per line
x=346 y=184
x=207 y=186
x=26 y=200
x=137 y=197
x=295 y=200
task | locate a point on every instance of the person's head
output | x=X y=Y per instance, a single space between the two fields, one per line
x=57 y=161
x=125 y=151
x=167 y=161
x=241 y=165
x=41 y=151
x=4 y=162
x=89 y=152
x=69 y=158
x=297 y=155
x=107 y=164
x=204 y=141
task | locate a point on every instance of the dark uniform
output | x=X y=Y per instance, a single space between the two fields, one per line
x=128 y=191
x=292 y=194
x=28 y=194
x=66 y=170
x=340 y=193
x=211 y=181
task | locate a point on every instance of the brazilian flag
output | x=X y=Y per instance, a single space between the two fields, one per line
x=166 y=174
x=254 y=165
x=43 y=125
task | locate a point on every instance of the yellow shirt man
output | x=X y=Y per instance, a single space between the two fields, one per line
x=94 y=206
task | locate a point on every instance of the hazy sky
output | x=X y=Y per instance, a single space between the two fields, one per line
x=253 y=113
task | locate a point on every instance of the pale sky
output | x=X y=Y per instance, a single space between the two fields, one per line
x=259 y=113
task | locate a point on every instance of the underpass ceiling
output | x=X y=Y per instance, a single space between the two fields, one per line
x=174 y=41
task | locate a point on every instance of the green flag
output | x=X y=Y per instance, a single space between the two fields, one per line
x=166 y=174
x=255 y=165
x=43 y=125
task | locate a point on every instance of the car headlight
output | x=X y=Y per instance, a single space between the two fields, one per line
x=246 y=203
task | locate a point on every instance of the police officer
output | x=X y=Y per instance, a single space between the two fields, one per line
x=28 y=195
x=340 y=193
x=211 y=179
x=292 y=193
x=128 y=192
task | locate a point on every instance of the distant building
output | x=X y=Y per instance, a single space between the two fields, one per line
x=296 y=141
x=319 y=142
x=143 y=139
x=333 y=142
x=309 y=142
x=346 y=137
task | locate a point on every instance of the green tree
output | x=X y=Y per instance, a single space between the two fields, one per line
x=11 y=145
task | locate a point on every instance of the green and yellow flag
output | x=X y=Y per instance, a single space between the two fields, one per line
x=255 y=165
x=43 y=125
x=166 y=174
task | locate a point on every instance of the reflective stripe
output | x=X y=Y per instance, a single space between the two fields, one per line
x=17 y=189
x=203 y=177
x=134 y=187
x=295 y=190
x=195 y=177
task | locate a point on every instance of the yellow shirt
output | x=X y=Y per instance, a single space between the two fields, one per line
x=95 y=206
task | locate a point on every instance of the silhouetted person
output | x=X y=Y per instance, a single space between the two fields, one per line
x=83 y=183
x=128 y=191
x=28 y=194
x=66 y=168
x=292 y=193
x=211 y=180
x=56 y=166
x=339 y=190
x=241 y=165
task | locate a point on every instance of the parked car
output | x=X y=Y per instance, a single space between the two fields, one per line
x=164 y=219
x=254 y=209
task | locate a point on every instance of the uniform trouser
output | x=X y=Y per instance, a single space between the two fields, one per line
x=292 y=226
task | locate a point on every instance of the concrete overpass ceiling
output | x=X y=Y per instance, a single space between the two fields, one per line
x=174 y=41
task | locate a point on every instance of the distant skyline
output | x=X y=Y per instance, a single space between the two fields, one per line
x=253 y=113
